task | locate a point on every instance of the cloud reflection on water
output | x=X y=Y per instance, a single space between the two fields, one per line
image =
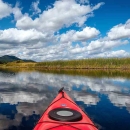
x=27 y=87
x=120 y=100
x=33 y=91
x=89 y=99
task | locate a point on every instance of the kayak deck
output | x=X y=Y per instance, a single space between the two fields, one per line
x=64 y=102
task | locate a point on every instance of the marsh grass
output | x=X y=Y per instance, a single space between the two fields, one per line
x=97 y=63
x=18 y=64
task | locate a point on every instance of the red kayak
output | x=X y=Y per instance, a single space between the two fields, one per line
x=64 y=114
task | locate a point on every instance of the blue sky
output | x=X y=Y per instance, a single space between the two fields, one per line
x=65 y=29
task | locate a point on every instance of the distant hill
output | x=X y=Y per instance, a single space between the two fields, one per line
x=7 y=58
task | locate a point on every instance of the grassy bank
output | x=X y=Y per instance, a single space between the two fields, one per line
x=18 y=64
x=99 y=63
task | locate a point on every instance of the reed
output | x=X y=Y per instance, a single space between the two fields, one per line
x=97 y=63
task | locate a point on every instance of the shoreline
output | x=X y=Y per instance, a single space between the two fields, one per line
x=97 y=73
x=66 y=68
x=83 y=64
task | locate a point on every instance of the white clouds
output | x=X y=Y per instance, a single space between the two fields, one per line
x=119 y=53
x=120 y=31
x=128 y=24
x=85 y=34
x=104 y=44
x=17 y=12
x=35 y=7
x=98 y=47
x=18 y=36
x=38 y=38
x=5 y=9
x=35 y=45
x=98 y=5
x=64 y=13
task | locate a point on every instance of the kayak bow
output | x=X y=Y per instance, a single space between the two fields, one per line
x=64 y=114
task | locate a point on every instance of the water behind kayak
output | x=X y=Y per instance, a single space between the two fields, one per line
x=25 y=95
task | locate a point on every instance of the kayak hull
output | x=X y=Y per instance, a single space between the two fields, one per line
x=63 y=101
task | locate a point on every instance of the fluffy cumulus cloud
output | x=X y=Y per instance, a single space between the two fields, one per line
x=22 y=36
x=5 y=9
x=39 y=38
x=119 y=53
x=98 y=47
x=63 y=14
x=85 y=34
x=104 y=44
x=17 y=12
x=120 y=31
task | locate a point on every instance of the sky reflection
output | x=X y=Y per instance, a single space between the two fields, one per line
x=27 y=94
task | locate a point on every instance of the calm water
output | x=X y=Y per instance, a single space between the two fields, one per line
x=25 y=95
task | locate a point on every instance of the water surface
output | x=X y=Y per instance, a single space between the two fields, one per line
x=25 y=95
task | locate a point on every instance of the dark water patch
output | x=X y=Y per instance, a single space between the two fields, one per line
x=8 y=110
